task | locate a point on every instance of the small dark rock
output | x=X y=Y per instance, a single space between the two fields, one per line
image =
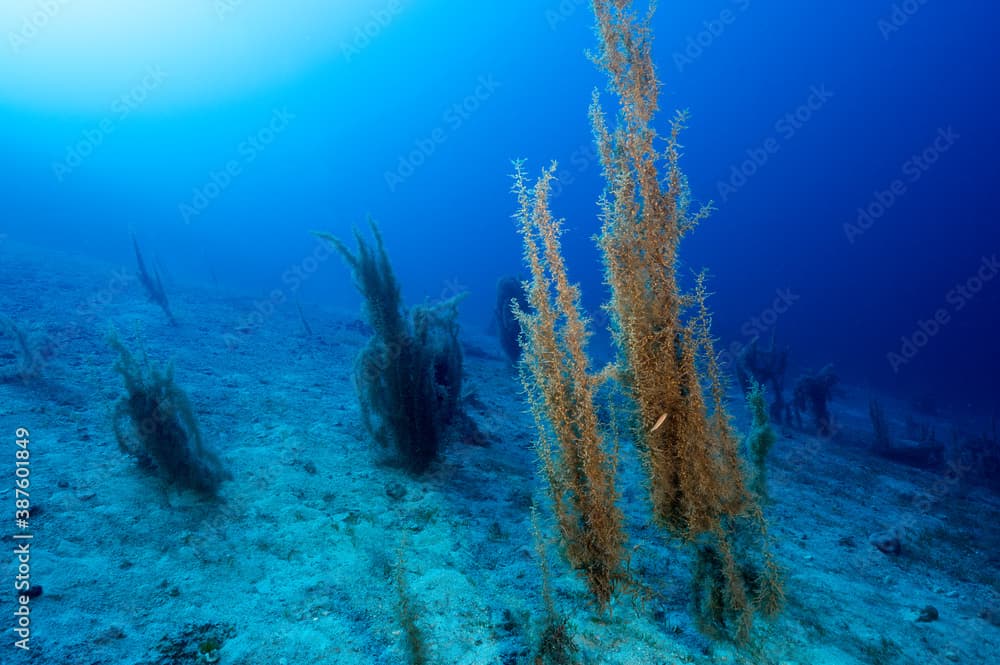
x=309 y=468
x=112 y=634
x=395 y=491
x=848 y=542
x=508 y=624
x=63 y=484
x=33 y=591
x=928 y=614
x=991 y=615
x=886 y=543
x=497 y=534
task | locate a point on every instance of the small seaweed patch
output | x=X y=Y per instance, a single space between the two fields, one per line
x=556 y=644
x=194 y=644
x=27 y=361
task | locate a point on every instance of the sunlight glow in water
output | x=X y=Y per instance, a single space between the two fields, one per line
x=82 y=55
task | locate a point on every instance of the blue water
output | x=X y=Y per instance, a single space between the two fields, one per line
x=850 y=150
x=372 y=98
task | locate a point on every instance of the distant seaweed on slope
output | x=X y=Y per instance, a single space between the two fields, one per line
x=28 y=361
x=152 y=283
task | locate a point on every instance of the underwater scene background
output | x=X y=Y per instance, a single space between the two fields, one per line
x=310 y=354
